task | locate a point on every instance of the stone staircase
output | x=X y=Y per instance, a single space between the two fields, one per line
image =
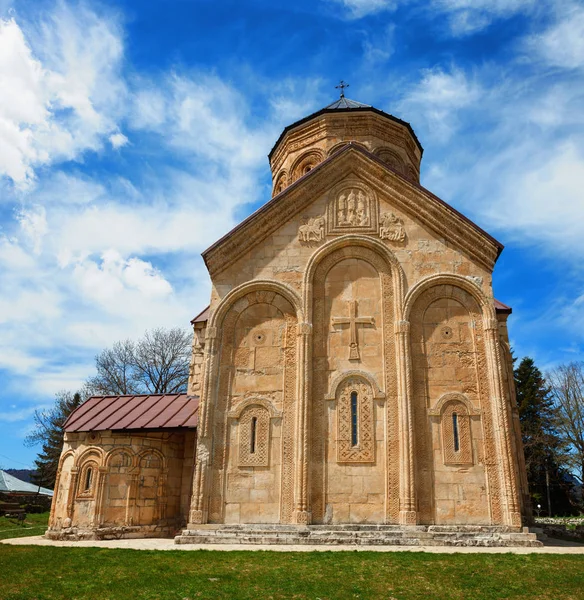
x=360 y=535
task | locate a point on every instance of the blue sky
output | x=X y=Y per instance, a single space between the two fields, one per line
x=134 y=134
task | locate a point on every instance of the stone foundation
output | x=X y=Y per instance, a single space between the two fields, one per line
x=361 y=535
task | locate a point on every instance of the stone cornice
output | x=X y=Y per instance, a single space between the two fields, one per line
x=414 y=200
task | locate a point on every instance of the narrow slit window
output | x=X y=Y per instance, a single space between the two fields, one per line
x=252 y=441
x=88 y=476
x=455 y=432
x=354 y=422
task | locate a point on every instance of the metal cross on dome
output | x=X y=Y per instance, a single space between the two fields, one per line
x=342 y=87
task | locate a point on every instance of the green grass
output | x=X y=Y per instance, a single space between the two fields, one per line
x=35 y=524
x=43 y=573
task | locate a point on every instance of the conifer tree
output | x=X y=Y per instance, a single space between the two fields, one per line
x=49 y=432
x=549 y=484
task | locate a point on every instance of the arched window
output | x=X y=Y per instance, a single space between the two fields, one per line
x=354 y=422
x=254 y=437
x=254 y=428
x=88 y=479
x=456 y=434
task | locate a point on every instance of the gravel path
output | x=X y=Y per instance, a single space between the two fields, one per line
x=551 y=547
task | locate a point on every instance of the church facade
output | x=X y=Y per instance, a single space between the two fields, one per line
x=353 y=365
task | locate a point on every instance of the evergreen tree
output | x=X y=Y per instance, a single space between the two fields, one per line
x=549 y=484
x=49 y=432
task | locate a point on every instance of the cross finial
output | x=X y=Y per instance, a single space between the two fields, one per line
x=342 y=87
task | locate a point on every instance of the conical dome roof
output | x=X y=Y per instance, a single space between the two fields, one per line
x=344 y=103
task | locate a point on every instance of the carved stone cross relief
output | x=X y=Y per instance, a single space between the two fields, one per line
x=353 y=320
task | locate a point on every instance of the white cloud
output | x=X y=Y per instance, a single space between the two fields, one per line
x=438 y=99
x=33 y=224
x=61 y=90
x=378 y=49
x=553 y=179
x=92 y=258
x=562 y=44
x=469 y=16
x=361 y=8
x=118 y=140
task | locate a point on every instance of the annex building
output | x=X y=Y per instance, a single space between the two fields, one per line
x=352 y=368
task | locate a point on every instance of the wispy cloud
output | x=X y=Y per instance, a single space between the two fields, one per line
x=61 y=89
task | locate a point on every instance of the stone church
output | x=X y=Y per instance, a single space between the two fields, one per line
x=352 y=368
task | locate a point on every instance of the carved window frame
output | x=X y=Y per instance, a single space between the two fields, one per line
x=364 y=450
x=451 y=411
x=254 y=437
x=87 y=492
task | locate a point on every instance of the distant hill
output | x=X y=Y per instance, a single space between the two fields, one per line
x=22 y=474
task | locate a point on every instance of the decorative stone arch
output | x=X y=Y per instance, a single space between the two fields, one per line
x=450 y=397
x=391 y=158
x=345 y=247
x=305 y=163
x=452 y=282
x=149 y=451
x=481 y=313
x=255 y=400
x=355 y=436
x=378 y=394
x=280 y=182
x=261 y=288
x=213 y=442
x=412 y=174
x=254 y=431
x=392 y=285
x=87 y=480
x=64 y=457
x=112 y=454
x=62 y=504
x=341 y=145
x=454 y=411
x=93 y=451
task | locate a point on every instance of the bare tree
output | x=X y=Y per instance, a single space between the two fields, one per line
x=156 y=364
x=567 y=386
x=161 y=361
x=115 y=370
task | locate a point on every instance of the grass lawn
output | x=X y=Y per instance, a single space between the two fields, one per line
x=35 y=524
x=35 y=573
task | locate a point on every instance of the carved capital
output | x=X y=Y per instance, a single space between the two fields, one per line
x=402 y=326
x=304 y=328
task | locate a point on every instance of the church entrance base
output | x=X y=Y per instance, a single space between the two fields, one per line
x=361 y=535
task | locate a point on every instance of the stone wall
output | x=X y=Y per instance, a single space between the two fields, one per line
x=133 y=483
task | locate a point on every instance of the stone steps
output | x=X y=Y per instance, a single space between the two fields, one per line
x=359 y=535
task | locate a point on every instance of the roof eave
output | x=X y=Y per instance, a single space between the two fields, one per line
x=324 y=111
x=350 y=146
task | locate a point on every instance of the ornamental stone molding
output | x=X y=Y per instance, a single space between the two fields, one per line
x=377 y=393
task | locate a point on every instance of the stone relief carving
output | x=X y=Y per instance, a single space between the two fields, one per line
x=392 y=228
x=364 y=449
x=254 y=437
x=353 y=208
x=312 y=230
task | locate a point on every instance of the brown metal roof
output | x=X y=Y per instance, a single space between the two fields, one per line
x=202 y=316
x=503 y=308
x=147 y=411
